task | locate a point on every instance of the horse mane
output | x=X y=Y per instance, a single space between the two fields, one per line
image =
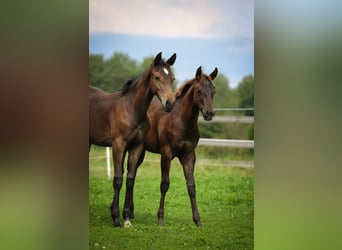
x=125 y=87
x=131 y=82
x=184 y=88
x=128 y=84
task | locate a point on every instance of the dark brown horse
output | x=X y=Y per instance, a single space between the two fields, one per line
x=119 y=120
x=176 y=134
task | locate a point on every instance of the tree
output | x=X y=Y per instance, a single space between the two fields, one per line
x=112 y=73
x=117 y=70
x=96 y=65
x=225 y=97
x=246 y=94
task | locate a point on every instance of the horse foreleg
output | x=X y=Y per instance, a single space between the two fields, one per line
x=165 y=163
x=118 y=158
x=134 y=160
x=188 y=162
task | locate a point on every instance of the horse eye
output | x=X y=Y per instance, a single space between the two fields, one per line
x=199 y=92
x=157 y=78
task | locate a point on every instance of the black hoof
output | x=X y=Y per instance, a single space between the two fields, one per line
x=116 y=223
x=198 y=223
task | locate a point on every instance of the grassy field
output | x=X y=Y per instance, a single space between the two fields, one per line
x=225 y=199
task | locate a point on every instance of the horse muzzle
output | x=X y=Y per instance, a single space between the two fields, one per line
x=208 y=115
x=168 y=106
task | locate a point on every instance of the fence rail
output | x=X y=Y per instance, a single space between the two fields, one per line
x=230 y=119
x=214 y=142
x=202 y=142
x=226 y=143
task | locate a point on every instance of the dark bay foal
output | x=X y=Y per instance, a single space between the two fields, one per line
x=176 y=134
x=119 y=120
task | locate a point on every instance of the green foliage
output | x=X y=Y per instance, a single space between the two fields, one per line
x=112 y=73
x=225 y=96
x=96 y=66
x=146 y=63
x=251 y=132
x=246 y=94
x=225 y=200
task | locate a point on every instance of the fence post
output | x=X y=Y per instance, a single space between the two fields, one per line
x=108 y=161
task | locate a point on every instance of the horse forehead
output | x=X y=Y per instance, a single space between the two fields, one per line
x=206 y=83
x=166 y=71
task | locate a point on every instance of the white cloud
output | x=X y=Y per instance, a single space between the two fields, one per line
x=173 y=18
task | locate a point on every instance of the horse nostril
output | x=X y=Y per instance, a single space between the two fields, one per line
x=168 y=106
x=208 y=115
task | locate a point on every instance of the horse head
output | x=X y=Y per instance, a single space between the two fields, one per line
x=161 y=80
x=204 y=91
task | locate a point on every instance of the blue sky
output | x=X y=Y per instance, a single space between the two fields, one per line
x=216 y=33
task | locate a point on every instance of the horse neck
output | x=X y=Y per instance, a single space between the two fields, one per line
x=141 y=95
x=188 y=110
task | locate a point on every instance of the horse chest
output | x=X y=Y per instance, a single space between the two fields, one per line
x=182 y=145
x=180 y=139
x=138 y=132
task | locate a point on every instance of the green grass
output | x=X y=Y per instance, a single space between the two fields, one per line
x=225 y=199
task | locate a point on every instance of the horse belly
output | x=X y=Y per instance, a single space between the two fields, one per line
x=151 y=142
x=100 y=134
x=101 y=139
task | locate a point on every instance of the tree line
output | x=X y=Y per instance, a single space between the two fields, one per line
x=110 y=74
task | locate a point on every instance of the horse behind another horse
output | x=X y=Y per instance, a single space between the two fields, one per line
x=176 y=134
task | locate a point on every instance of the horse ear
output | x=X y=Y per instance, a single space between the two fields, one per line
x=157 y=59
x=172 y=59
x=198 y=73
x=213 y=74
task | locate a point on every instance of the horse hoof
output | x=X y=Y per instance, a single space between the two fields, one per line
x=198 y=223
x=127 y=224
x=161 y=223
x=116 y=223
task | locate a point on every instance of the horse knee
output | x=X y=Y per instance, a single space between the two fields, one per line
x=164 y=186
x=130 y=183
x=117 y=183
